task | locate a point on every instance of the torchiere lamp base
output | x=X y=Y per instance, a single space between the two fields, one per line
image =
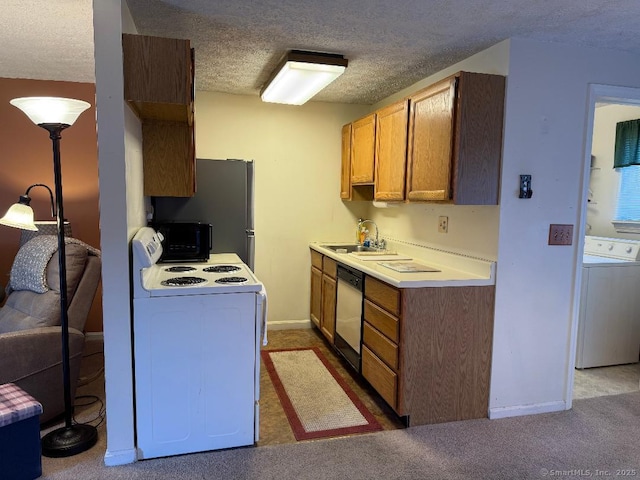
x=69 y=441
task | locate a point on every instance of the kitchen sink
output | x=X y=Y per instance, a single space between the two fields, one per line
x=352 y=248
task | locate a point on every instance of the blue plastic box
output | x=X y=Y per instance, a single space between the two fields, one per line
x=20 y=457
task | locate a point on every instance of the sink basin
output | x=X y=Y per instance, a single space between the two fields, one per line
x=352 y=248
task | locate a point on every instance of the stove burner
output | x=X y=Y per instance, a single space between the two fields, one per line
x=222 y=269
x=182 y=281
x=231 y=280
x=179 y=269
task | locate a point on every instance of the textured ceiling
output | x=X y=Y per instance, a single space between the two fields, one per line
x=390 y=44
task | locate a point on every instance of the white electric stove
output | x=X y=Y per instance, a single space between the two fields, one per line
x=198 y=328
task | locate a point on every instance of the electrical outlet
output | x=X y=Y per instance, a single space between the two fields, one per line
x=443 y=224
x=560 y=234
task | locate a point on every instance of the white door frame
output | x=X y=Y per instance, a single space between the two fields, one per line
x=597 y=94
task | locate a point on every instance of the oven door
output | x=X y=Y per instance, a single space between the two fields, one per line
x=348 y=332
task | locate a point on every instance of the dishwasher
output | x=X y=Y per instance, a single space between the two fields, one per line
x=348 y=334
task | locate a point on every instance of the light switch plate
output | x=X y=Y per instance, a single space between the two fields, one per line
x=560 y=234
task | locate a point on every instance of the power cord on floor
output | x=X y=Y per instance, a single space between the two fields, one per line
x=89 y=400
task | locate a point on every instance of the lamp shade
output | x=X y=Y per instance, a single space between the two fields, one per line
x=51 y=109
x=20 y=216
x=302 y=75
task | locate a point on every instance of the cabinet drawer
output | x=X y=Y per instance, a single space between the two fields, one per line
x=316 y=259
x=381 y=320
x=380 y=376
x=381 y=346
x=382 y=294
x=330 y=267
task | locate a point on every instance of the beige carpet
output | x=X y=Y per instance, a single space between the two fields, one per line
x=317 y=401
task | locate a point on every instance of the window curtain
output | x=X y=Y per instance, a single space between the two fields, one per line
x=627 y=148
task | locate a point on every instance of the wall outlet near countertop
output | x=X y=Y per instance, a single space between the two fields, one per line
x=443 y=224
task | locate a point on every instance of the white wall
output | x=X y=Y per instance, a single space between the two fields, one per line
x=604 y=179
x=297 y=183
x=121 y=213
x=545 y=136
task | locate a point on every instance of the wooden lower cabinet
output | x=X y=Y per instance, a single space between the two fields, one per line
x=316 y=296
x=381 y=377
x=380 y=345
x=427 y=351
x=328 y=324
x=322 y=309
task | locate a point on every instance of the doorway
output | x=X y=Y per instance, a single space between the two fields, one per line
x=605 y=104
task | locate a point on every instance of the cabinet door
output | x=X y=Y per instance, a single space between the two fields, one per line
x=328 y=325
x=363 y=135
x=169 y=158
x=477 y=151
x=158 y=76
x=316 y=296
x=431 y=130
x=391 y=151
x=345 y=175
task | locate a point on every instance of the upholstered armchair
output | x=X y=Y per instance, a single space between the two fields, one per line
x=30 y=332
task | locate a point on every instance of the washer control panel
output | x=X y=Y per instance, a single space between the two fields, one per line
x=619 y=248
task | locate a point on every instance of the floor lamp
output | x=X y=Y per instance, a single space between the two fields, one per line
x=54 y=115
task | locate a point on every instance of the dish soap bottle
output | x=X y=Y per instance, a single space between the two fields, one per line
x=364 y=237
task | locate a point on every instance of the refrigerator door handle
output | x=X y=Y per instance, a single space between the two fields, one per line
x=251 y=241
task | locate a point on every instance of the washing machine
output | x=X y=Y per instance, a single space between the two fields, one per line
x=609 y=319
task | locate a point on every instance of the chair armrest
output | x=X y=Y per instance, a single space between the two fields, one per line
x=28 y=352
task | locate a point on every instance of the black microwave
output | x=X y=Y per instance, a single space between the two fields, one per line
x=185 y=241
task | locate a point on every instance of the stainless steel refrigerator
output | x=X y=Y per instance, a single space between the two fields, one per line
x=224 y=198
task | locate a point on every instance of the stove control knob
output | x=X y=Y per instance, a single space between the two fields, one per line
x=629 y=250
x=610 y=247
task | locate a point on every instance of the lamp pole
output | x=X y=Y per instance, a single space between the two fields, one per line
x=72 y=438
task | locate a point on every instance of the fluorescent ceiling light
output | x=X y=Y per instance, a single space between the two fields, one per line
x=300 y=75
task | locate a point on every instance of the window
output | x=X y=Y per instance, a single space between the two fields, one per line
x=628 y=207
x=627 y=158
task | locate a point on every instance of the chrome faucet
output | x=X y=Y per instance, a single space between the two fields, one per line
x=361 y=223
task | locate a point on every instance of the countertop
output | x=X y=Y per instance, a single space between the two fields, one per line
x=454 y=269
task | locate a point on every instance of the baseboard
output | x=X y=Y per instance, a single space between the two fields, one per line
x=121 y=457
x=519 y=410
x=288 y=325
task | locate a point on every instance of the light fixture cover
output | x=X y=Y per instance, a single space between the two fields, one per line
x=20 y=216
x=301 y=75
x=51 y=109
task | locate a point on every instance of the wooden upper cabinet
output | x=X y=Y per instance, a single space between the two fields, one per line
x=455 y=140
x=477 y=150
x=159 y=87
x=345 y=173
x=168 y=153
x=391 y=151
x=158 y=77
x=430 y=142
x=363 y=135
